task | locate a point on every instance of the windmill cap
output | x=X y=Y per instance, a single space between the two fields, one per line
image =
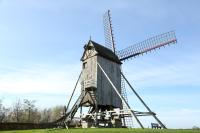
x=102 y=51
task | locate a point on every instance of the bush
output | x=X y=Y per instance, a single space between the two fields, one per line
x=195 y=128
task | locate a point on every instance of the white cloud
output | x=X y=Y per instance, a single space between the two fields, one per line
x=40 y=79
x=152 y=72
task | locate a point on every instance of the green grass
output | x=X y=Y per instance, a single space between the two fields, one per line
x=103 y=130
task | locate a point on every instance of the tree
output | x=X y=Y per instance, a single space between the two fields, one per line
x=195 y=128
x=30 y=110
x=2 y=112
x=57 y=112
x=17 y=111
x=45 y=115
x=8 y=115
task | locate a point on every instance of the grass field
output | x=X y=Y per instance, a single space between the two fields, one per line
x=103 y=130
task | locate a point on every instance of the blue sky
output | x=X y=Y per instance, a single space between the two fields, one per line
x=41 y=43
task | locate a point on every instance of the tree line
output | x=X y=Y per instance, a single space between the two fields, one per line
x=25 y=111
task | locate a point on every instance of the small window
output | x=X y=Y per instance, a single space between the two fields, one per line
x=84 y=65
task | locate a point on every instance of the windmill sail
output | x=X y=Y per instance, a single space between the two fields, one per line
x=108 y=32
x=147 y=45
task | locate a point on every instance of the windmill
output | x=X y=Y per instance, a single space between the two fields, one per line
x=103 y=82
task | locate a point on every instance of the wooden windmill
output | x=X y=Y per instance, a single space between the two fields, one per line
x=102 y=82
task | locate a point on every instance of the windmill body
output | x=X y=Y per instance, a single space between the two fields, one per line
x=94 y=81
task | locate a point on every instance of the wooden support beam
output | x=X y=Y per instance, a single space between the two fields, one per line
x=73 y=91
x=123 y=100
x=153 y=114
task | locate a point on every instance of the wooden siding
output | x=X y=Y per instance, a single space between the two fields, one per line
x=106 y=95
x=89 y=75
x=94 y=78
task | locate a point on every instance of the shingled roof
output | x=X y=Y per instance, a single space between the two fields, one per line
x=103 y=52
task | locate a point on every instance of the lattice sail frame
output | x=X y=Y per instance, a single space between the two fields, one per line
x=128 y=121
x=108 y=31
x=147 y=45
